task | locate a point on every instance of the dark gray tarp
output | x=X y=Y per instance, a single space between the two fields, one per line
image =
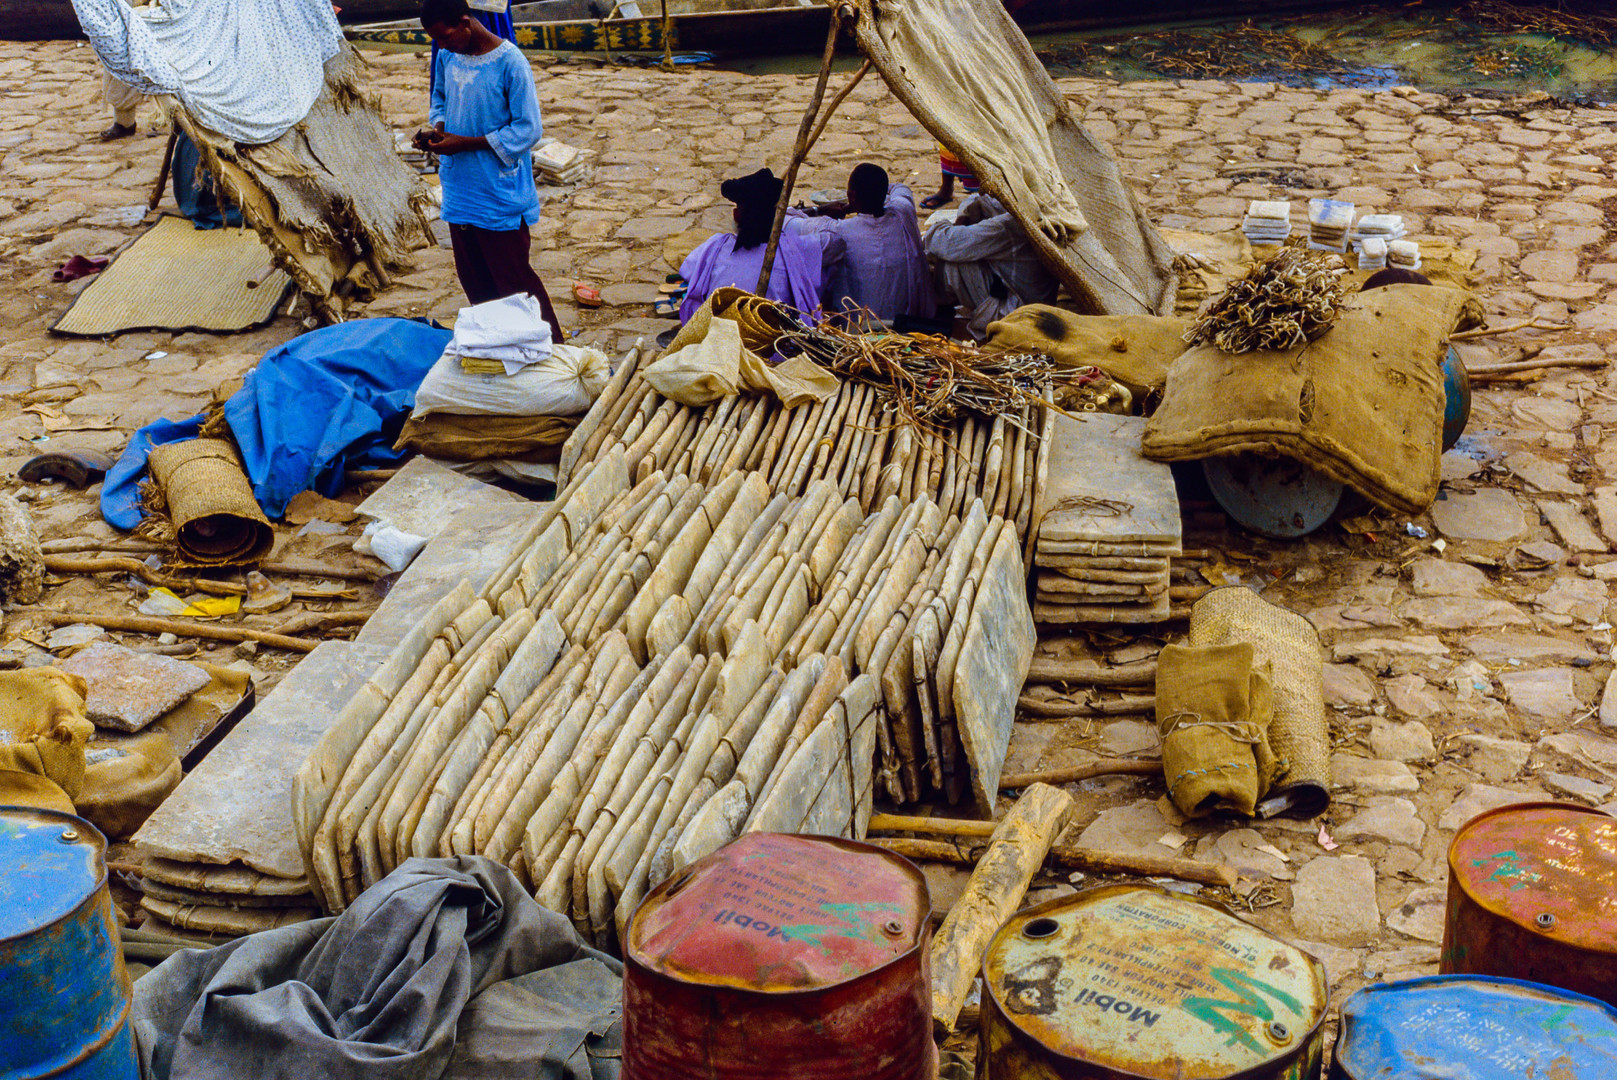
x=444 y=958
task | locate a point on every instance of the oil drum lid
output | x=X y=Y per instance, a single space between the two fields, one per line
x=1548 y=867
x=1466 y=1027
x=1146 y=983
x=53 y=863
x=774 y=913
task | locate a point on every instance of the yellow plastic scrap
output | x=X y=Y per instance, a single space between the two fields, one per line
x=205 y=607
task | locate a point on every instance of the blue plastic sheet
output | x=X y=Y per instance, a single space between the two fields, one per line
x=330 y=400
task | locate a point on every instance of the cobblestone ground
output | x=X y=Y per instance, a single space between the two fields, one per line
x=1462 y=675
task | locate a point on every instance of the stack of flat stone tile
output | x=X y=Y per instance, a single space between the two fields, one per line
x=1109 y=528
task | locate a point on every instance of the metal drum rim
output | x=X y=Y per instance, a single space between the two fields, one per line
x=1458 y=880
x=922 y=933
x=1257 y=1072
x=101 y=1043
x=101 y=882
x=1486 y=981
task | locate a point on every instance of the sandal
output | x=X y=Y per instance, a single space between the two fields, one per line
x=668 y=309
x=586 y=295
x=117 y=131
x=934 y=202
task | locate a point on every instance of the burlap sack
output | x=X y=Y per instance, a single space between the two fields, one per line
x=216 y=520
x=124 y=784
x=1362 y=405
x=713 y=357
x=1288 y=645
x=42 y=726
x=1214 y=707
x=534 y=439
x=1136 y=350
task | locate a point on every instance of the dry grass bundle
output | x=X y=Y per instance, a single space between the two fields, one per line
x=1280 y=304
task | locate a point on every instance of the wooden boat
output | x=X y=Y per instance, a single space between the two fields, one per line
x=777 y=27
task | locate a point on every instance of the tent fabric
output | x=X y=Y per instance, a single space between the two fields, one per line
x=248 y=71
x=331 y=399
x=965 y=71
x=391 y=989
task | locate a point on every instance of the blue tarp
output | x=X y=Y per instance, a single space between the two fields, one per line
x=332 y=399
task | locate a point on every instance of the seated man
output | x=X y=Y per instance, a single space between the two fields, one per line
x=986 y=265
x=735 y=259
x=883 y=268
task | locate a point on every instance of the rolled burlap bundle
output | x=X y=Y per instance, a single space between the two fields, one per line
x=1214 y=708
x=1289 y=645
x=217 y=522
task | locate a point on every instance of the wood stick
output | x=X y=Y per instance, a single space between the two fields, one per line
x=883 y=823
x=1074 y=773
x=365 y=476
x=74 y=544
x=143 y=624
x=1494 y=371
x=799 y=151
x=310 y=568
x=1048 y=669
x=62 y=564
x=1087 y=860
x=321 y=620
x=1054 y=709
x=1525 y=324
x=1014 y=854
x=163 y=170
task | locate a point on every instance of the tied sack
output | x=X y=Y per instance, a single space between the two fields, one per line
x=43 y=732
x=1214 y=706
x=565 y=383
x=719 y=365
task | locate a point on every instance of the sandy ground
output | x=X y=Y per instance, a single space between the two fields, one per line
x=1462 y=675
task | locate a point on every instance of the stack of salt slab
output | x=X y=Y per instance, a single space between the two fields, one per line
x=1109 y=526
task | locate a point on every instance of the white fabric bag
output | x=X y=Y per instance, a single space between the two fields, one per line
x=565 y=383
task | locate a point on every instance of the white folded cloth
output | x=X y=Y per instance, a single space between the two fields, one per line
x=511 y=330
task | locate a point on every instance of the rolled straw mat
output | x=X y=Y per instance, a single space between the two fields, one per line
x=217 y=521
x=177 y=277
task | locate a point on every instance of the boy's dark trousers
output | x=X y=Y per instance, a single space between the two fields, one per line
x=493 y=264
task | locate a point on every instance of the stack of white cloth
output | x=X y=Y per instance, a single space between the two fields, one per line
x=1328 y=224
x=1404 y=254
x=1383 y=227
x=511 y=332
x=1372 y=253
x=556 y=162
x=1267 y=222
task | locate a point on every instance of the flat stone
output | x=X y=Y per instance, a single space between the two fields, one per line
x=1571 y=526
x=1133 y=829
x=1388 y=819
x=130 y=689
x=1575 y=787
x=1583 y=599
x=1422 y=914
x=1600 y=317
x=1577 y=746
x=1608 y=702
x=1546 y=692
x=1372 y=776
x=1479 y=799
x=1543 y=474
x=1334 y=901
x=1525 y=647
x=1412 y=645
x=1123 y=738
x=1410 y=741
x=652 y=228
x=1439 y=577
x=1458 y=466
x=1463 y=613
x=1605 y=501
x=1099 y=458
x=1346 y=684
x=1413 y=696
x=1550 y=265
x=1248 y=853
x=1549 y=413
x=1494 y=759
x=1489 y=514
x=993 y=664
x=237 y=804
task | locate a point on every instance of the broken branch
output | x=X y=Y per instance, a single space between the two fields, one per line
x=1046 y=669
x=1085 y=860
x=60 y=564
x=144 y=624
x=1055 y=708
x=1075 y=773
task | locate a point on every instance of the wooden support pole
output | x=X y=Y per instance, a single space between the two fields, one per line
x=799 y=151
x=1049 y=708
x=1014 y=854
x=1086 y=860
x=162 y=173
x=142 y=624
x=1075 y=773
x=1046 y=669
x=65 y=564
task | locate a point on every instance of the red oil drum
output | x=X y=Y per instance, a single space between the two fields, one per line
x=1125 y=982
x=782 y=956
x=1533 y=896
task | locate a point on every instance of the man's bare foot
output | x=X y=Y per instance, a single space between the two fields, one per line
x=117 y=131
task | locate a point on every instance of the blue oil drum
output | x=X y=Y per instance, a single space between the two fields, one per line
x=1456 y=399
x=1472 y=1027
x=64 y=993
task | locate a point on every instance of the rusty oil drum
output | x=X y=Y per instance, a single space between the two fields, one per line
x=64 y=993
x=789 y=956
x=1133 y=982
x=1533 y=896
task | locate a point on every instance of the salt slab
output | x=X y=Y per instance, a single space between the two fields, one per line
x=129 y=689
x=1102 y=489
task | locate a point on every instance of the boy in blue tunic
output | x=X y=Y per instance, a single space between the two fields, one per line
x=485 y=122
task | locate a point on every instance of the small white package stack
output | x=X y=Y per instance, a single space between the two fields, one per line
x=1372 y=253
x=511 y=330
x=1267 y=222
x=1404 y=254
x=1328 y=224
x=555 y=162
x=1385 y=227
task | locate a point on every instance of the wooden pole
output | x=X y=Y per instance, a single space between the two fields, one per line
x=1072 y=774
x=997 y=885
x=1050 y=708
x=1087 y=860
x=1047 y=669
x=65 y=564
x=162 y=173
x=141 y=624
x=800 y=150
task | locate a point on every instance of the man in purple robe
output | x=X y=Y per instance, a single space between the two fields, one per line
x=883 y=267
x=801 y=262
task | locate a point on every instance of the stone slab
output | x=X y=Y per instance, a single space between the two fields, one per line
x=128 y=689
x=425 y=497
x=1489 y=514
x=1101 y=488
x=236 y=807
x=475 y=546
x=1334 y=901
x=994 y=661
